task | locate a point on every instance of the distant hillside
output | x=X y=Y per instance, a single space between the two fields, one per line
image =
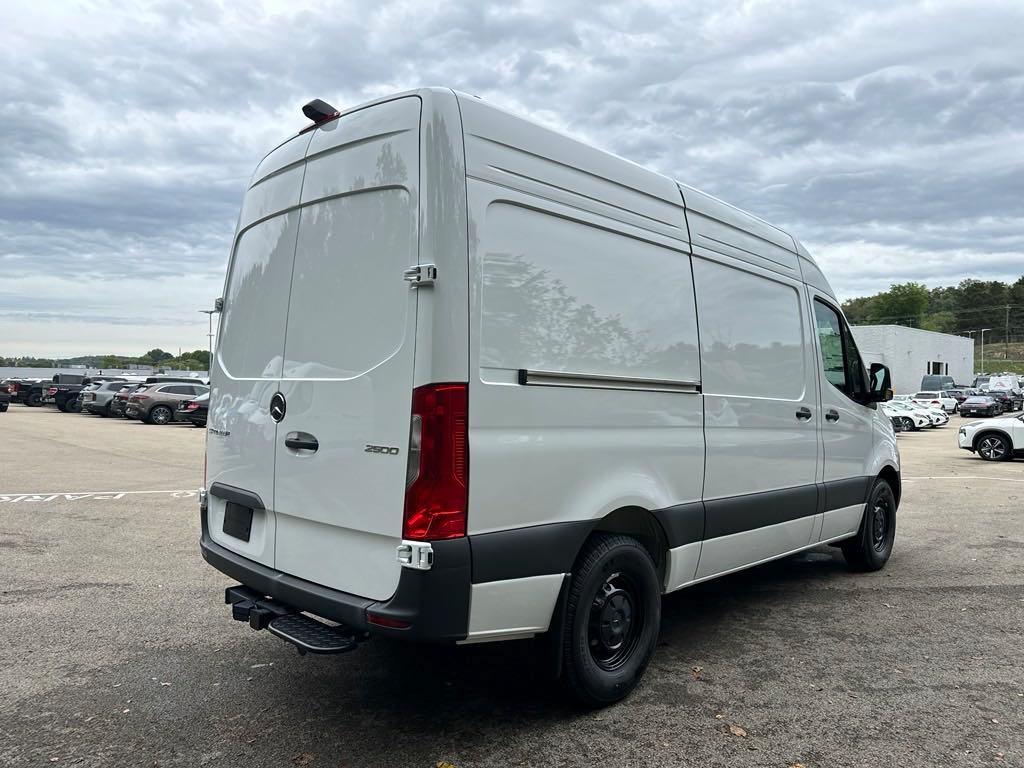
x=1000 y=357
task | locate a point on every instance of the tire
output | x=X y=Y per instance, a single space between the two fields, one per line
x=612 y=618
x=160 y=414
x=3 y=408
x=994 y=447
x=105 y=412
x=62 y=406
x=908 y=424
x=870 y=549
x=34 y=400
x=73 y=406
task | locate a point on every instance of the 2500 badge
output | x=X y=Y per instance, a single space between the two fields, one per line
x=387 y=450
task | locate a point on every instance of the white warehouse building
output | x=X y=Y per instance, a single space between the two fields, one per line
x=912 y=353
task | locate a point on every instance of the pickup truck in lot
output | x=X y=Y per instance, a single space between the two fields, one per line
x=21 y=390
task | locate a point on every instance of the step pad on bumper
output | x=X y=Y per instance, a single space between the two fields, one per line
x=312 y=635
x=304 y=632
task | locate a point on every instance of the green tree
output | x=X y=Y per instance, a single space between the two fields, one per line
x=902 y=304
x=201 y=357
x=157 y=355
x=110 y=361
x=943 y=322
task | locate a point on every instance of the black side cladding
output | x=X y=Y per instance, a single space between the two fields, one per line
x=534 y=551
x=757 y=510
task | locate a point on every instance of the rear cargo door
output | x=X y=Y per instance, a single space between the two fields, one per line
x=348 y=355
x=246 y=371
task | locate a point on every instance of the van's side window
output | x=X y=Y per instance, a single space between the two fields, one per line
x=839 y=357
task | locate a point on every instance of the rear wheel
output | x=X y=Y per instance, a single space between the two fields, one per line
x=73 y=406
x=613 y=614
x=994 y=447
x=160 y=414
x=908 y=424
x=870 y=549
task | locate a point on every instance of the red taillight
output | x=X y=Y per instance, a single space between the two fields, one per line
x=51 y=391
x=138 y=398
x=437 y=492
x=936 y=402
x=386 y=621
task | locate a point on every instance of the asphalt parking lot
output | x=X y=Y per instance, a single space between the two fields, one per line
x=116 y=648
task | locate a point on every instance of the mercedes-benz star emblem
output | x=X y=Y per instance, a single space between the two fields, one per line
x=277 y=407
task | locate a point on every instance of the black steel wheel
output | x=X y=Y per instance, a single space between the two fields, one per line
x=616 y=618
x=871 y=548
x=612 y=617
x=994 y=447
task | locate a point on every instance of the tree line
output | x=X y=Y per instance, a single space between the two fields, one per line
x=969 y=306
x=197 y=360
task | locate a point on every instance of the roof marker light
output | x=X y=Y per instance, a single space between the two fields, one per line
x=320 y=112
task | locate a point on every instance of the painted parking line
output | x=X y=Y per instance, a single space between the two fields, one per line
x=16 y=498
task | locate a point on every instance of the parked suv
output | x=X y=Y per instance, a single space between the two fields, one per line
x=97 y=398
x=940 y=399
x=156 y=403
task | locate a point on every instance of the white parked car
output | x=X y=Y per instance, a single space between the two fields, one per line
x=940 y=399
x=910 y=419
x=932 y=417
x=478 y=381
x=994 y=439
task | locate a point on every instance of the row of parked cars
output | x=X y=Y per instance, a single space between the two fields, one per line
x=153 y=399
x=929 y=409
x=973 y=402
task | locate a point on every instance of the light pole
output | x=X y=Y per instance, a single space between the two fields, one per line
x=983 y=348
x=209 y=335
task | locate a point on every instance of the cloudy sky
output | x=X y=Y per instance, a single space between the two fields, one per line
x=887 y=136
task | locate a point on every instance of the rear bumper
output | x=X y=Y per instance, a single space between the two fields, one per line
x=435 y=603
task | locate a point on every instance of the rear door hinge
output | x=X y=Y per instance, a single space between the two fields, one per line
x=416 y=554
x=421 y=274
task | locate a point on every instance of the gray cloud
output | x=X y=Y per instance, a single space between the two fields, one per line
x=884 y=135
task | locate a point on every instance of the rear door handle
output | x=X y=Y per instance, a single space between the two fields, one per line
x=832 y=415
x=803 y=413
x=301 y=441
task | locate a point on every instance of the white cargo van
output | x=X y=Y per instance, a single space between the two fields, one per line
x=478 y=381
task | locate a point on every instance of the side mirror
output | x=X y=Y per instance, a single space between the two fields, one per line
x=881 y=384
